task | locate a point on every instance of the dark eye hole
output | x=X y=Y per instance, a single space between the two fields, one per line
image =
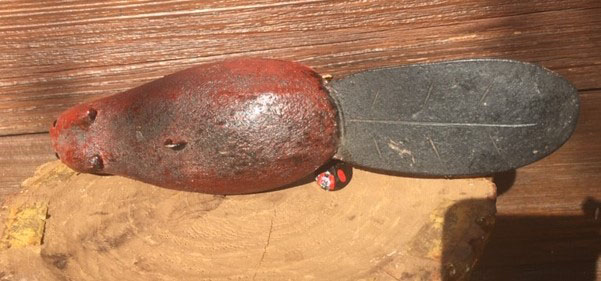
x=54 y=123
x=57 y=157
x=175 y=146
x=96 y=163
x=92 y=114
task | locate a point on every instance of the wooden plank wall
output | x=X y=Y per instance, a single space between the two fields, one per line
x=54 y=54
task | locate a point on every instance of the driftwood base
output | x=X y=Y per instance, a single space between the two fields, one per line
x=378 y=228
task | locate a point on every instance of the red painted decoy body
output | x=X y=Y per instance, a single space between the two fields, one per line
x=237 y=126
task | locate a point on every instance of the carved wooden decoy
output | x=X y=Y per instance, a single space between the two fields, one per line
x=250 y=125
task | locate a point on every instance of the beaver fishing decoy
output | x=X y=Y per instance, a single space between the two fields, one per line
x=227 y=127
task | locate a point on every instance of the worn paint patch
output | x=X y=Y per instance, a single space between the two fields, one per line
x=25 y=226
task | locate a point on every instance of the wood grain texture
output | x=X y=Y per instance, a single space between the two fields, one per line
x=56 y=54
x=19 y=156
x=377 y=228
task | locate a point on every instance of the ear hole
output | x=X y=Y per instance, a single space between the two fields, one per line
x=97 y=163
x=92 y=114
x=175 y=145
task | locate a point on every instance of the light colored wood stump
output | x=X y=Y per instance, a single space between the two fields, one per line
x=379 y=227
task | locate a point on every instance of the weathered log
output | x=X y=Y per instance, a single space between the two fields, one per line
x=379 y=227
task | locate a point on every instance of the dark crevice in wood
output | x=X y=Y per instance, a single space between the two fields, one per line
x=589 y=90
x=24 y=134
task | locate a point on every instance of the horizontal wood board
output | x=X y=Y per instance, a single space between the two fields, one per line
x=54 y=54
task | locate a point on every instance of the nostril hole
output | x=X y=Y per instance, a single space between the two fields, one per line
x=175 y=145
x=57 y=157
x=54 y=123
x=92 y=114
x=96 y=162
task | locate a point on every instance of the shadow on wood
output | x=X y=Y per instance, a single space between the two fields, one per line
x=568 y=247
x=467 y=227
x=504 y=181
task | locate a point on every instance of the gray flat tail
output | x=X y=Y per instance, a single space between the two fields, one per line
x=455 y=118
